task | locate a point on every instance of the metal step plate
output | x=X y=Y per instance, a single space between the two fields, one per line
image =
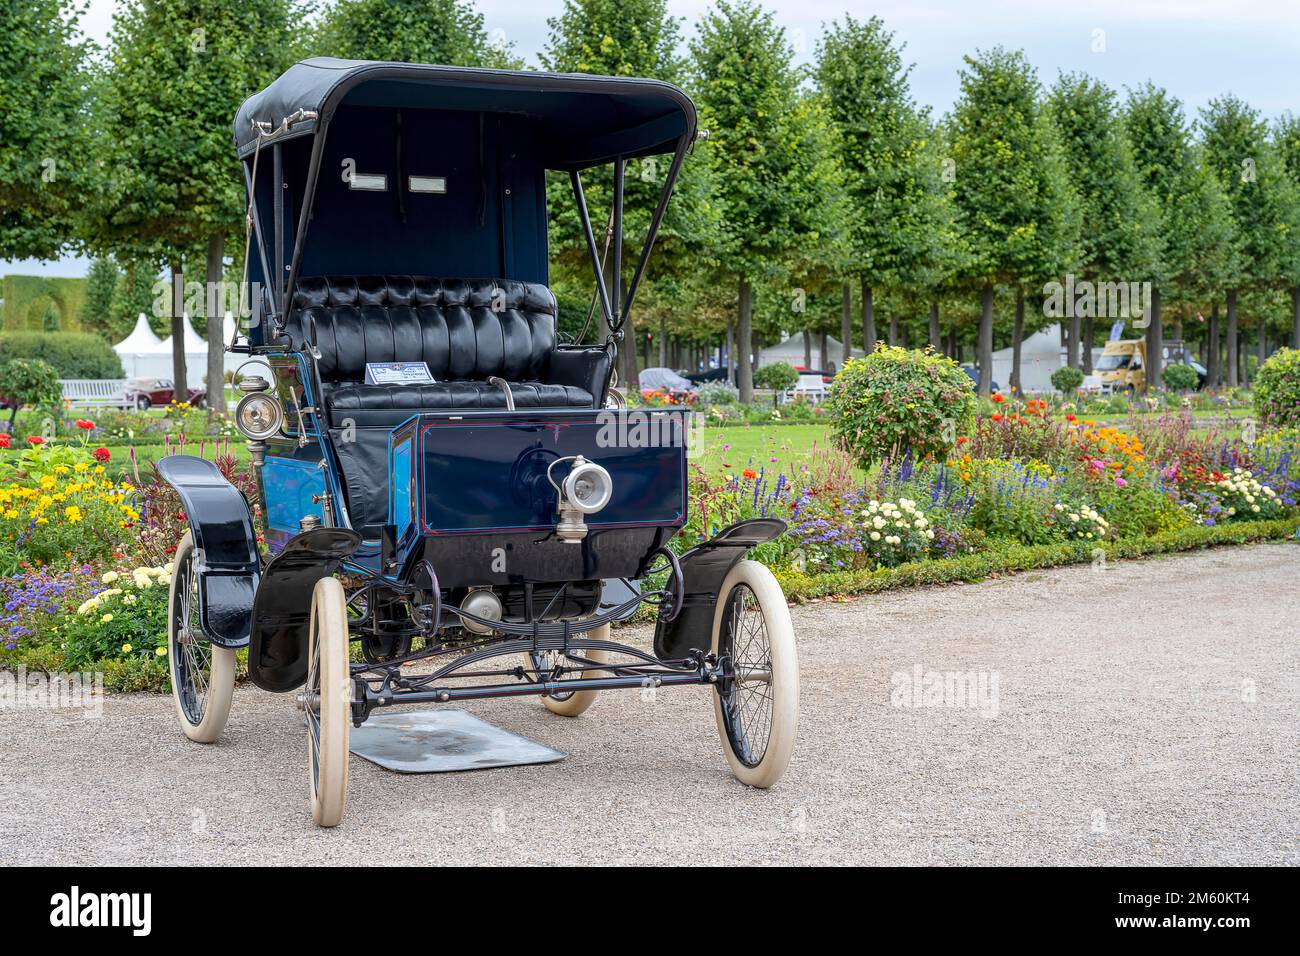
x=443 y=741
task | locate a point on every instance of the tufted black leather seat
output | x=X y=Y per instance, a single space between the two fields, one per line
x=467 y=330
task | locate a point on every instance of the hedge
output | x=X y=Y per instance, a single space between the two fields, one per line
x=73 y=354
x=1008 y=559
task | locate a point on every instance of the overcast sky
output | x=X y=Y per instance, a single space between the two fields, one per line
x=1197 y=49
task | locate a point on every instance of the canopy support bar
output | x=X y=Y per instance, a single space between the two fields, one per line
x=585 y=216
x=678 y=156
x=615 y=294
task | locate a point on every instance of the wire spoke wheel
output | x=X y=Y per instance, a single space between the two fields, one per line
x=202 y=674
x=757 y=706
x=326 y=702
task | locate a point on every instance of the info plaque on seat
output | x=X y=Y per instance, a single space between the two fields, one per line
x=398 y=373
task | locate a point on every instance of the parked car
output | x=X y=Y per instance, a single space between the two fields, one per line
x=718 y=374
x=146 y=392
x=678 y=388
x=974 y=374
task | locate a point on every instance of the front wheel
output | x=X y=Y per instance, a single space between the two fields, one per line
x=757 y=706
x=203 y=675
x=327 y=702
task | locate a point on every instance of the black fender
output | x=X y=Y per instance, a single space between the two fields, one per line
x=226 y=560
x=704 y=567
x=277 y=654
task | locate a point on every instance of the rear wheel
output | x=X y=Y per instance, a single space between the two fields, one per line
x=757 y=709
x=202 y=674
x=574 y=702
x=142 y=402
x=327 y=702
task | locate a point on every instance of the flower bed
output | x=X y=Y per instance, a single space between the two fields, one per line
x=86 y=543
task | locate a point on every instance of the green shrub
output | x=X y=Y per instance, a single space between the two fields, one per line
x=778 y=376
x=896 y=401
x=717 y=393
x=1066 y=379
x=1181 y=377
x=28 y=382
x=73 y=354
x=1277 y=389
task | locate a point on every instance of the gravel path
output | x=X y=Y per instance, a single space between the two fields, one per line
x=1145 y=713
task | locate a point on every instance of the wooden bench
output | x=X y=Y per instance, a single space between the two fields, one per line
x=95 y=392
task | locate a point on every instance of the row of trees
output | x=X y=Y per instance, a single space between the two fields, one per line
x=826 y=199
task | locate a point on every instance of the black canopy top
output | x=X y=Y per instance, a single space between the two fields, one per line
x=587 y=120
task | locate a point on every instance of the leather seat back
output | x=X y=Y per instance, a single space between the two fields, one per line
x=465 y=329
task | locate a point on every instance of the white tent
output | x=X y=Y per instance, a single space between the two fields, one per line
x=1041 y=354
x=139 y=349
x=791 y=351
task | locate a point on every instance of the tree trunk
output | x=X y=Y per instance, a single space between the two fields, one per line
x=732 y=375
x=178 y=332
x=1072 y=343
x=1213 y=373
x=216 y=384
x=1295 y=317
x=846 y=323
x=935 y=335
x=1262 y=353
x=807 y=349
x=868 y=319
x=745 y=342
x=823 y=355
x=1085 y=346
x=984 y=352
x=663 y=342
x=1017 y=336
x=1233 y=345
x=1155 y=344
x=893 y=330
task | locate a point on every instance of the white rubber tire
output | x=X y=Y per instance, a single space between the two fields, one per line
x=579 y=701
x=784 y=674
x=327 y=768
x=215 y=710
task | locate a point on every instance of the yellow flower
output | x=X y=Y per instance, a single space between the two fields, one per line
x=81 y=466
x=126 y=648
x=160 y=651
x=11 y=513
x=48 y=481
x=73 y=513
x=105 y=619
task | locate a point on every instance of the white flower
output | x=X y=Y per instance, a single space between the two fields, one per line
x=109 y=577
x=1254 y=508
x=875 y=536
x=1074 y=517
x=1060 y=507
x=929 y=533
x=920 y=522
x=878 y=522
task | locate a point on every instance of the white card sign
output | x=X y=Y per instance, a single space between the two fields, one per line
x=398 y=373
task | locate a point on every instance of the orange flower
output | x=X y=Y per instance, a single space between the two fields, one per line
x=998 y=398
x=750 y=473
x=996 y=417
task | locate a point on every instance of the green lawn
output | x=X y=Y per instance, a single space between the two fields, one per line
x=738 y=447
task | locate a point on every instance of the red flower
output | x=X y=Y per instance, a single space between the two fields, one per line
x=961 y=439
x=996 y=417
x=998 y=398
x=1070 y=418
x=83 y=423
x=102 y=454
x=4 y=441
x=35 y=440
